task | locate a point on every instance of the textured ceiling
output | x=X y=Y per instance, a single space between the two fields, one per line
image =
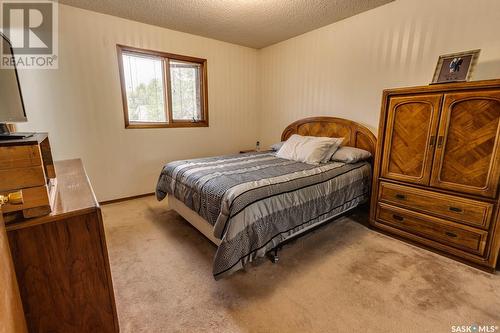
x=253 y=23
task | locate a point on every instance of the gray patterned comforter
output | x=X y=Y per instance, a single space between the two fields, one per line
x=256 y=200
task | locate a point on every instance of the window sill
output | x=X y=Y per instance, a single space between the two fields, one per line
x=179 y=124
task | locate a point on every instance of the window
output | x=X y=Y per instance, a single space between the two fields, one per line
x=162 y=90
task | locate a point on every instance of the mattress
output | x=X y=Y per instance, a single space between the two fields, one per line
x=256 y=200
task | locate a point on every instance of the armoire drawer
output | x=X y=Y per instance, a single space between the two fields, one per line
x=445 y=232
x=463 y=210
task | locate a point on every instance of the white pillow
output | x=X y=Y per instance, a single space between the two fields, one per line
x=333 y=149
x=309 y=149
x=350 y=155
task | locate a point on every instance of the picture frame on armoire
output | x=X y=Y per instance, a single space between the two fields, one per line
x=455 y=67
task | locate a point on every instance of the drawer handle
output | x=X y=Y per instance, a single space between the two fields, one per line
x=455 y=209
x=440 y=141
x=14 y=198
x=400 y=196
x=397 y=217
x=451 y=234
x=432 y=141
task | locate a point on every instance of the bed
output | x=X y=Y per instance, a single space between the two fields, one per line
x=248 y=204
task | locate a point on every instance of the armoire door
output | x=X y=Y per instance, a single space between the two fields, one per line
x=467 y=157
x=410 y=138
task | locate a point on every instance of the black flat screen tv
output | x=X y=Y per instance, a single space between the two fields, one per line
x=11 y=99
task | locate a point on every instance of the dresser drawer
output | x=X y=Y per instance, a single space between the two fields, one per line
x=467 y=211
x=19 y=178
x=448 y=233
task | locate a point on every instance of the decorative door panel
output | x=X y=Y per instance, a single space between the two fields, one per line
x=467 y=157
x=410 y=137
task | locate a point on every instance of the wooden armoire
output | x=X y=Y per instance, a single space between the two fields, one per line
x=437 y=169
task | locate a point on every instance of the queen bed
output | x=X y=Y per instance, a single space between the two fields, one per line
x=249 y=204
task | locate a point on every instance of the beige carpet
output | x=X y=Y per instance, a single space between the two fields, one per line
x=342 y=278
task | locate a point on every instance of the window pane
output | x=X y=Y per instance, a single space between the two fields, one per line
x=186 y=90
x=144 y=86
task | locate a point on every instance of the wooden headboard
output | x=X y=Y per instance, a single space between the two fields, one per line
x=354 y=134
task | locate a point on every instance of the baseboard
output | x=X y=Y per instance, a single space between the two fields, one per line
x=107 y=202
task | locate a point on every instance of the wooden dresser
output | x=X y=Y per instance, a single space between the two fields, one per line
x=437 y=169
x=61 y=261
x=26 y=164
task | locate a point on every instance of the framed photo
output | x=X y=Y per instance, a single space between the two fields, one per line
x=455 y=67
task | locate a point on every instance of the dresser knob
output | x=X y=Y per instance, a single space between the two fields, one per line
x=397 y=217
x=400 y=196
x=455 y=209
x=451 y=234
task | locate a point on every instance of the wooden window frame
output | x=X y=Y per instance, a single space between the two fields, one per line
x=170 y=123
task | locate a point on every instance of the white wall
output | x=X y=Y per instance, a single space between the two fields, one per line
x=80 y=103
x=341 y=69
x=337 y=70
